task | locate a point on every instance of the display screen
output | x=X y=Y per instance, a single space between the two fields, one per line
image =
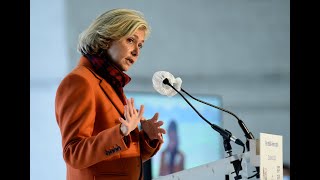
x=189 y=141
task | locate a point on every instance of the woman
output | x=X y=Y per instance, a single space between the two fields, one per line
x=172 y=159
x=98 y=124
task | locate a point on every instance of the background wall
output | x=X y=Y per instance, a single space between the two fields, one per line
x=236 y=49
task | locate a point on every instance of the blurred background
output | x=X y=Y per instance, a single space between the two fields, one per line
x=238 y=50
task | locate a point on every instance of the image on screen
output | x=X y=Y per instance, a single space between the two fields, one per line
x=189 y=141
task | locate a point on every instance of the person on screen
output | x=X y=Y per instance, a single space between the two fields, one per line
x=172 y=158
x=99 y=125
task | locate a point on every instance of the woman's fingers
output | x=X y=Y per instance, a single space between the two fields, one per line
x=123 y=121
x=162 y=131
x=132 y=116
x=129 y=104
x=132 y=103
x=159 y=123
x=155 y=117
x=125 y=111
x=160 y=138
x=141 y=111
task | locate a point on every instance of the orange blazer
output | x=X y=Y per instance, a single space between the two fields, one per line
x=87 y=110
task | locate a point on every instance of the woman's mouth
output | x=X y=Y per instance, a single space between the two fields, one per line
x=130 y=60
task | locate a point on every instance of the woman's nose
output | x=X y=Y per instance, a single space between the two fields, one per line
x=135 y=52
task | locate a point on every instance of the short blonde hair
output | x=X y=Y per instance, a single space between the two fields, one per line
x=109 y=26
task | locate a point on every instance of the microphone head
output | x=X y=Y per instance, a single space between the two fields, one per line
x=166 y=81
x=162 y=88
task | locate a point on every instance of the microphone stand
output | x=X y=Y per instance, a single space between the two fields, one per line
x=236 y=163
x=224 y=133
x=244 y=128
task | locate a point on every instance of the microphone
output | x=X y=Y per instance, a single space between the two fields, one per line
x=158 y=85
x=162 y=83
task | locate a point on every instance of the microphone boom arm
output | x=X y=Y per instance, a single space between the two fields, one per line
x=224 y=133
x=227 y=136
x=244 y=128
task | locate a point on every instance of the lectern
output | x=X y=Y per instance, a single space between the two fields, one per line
x=265 y=155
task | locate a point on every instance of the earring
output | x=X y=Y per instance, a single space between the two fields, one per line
x=101 y=53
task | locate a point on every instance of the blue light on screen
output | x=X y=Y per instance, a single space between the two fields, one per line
x=197 y=140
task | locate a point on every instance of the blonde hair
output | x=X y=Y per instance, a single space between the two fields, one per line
x=109 y=26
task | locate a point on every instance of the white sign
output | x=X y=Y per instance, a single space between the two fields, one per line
x=271 y=160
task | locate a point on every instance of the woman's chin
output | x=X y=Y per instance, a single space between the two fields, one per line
x=126 y=67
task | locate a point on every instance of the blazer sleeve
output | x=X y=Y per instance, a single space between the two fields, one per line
x=75 y=114
x=148 y=147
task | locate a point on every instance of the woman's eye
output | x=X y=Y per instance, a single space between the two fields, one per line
x=140 y=46
x=130 y=40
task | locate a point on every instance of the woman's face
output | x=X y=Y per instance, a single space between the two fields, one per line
x=125 y=52
x=172 y=140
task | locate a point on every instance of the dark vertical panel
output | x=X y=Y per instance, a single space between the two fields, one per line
x=147 y=170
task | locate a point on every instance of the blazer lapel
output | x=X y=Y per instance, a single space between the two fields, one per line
x=105 y=86
x=112 y=95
